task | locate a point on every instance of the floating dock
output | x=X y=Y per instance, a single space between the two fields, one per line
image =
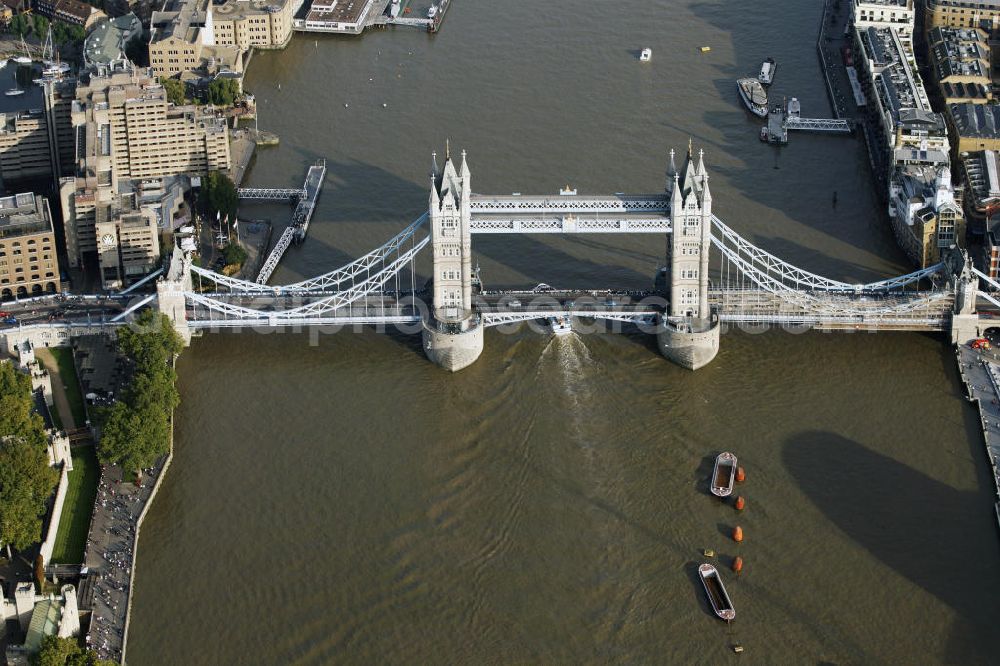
x=352 y=18
x=785 y=116
x=981 y=376
x=299 y=226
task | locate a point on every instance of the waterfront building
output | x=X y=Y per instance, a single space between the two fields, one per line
x=107 y=42
x=339 y=16
x=899 y=109
x=960 y=64
x=182 y=39
x=28 y=261
x=975 y=126
x=247 y=24
x=898 y=14
x=69 y=11
x=925 y=216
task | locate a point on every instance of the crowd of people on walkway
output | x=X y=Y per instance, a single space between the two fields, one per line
x=110 y=556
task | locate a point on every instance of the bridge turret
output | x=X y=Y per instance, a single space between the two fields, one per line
x=689 y=333
x=171 y=290
x=452 y=335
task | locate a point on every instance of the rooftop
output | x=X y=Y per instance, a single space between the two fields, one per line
x=24 y=214
x=107 y=41
x=981 y=121
x=233 y=9
x=886 y=3
x=899 y=83
x=182 y=19
x=337 y=11
x=982 y=175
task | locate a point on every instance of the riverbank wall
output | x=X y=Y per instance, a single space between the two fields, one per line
x=981 y=376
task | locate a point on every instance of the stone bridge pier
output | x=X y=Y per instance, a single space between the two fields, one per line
x=170 y=290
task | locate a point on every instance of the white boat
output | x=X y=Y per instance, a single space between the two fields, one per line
x=14 y=92
x=432 y=12
x=23 y=59
x=716 y=592
x=560 y=325
x=766 y=75
x=646 y=55
x=753 y=95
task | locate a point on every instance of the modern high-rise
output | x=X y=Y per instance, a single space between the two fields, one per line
x=38 y=143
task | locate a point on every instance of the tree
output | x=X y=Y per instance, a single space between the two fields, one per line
x=26 y=480
x=220 y=195
x=40 y=572
x=223 y=91
x=234 y=254
x=137 y=429
x=57 y=651
x=175 y=90
x=21 y=25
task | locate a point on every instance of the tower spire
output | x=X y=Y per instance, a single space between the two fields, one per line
x=447 y=150
x=434 y=164
x=690 y=148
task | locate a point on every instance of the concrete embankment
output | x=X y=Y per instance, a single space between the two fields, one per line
x=981 y=376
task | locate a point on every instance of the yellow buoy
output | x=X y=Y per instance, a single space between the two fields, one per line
x=706 y=49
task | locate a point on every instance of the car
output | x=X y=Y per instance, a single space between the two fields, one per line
x=10 y=320
x=4 y=314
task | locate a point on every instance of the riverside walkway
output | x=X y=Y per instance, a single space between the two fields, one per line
x=981 y=375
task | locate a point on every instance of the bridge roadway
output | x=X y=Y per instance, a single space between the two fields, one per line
x=901 y=310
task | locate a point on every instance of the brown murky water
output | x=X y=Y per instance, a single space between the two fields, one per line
x=340 y=500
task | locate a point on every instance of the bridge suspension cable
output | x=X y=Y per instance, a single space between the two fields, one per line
x=341 y=299
x=332 y=280
x=781 y=272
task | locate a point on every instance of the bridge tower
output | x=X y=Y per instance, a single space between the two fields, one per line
x=964 y=320
x=452 y=333
x=688 y=334
x=170 y=291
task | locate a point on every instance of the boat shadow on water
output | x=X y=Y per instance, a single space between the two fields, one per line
x=889 y=508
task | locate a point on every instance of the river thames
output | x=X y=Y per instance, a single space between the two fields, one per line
x=339 y=499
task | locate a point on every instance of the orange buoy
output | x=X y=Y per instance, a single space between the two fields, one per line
x=738 y=565
x=740 y=503
x=741 y=476
x=737 y=534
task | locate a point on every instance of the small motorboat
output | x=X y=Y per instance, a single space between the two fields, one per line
x=763 y=133
x=646 y=55
x=766 y=75
x=716 y=592
x=14 y=92
x=706 y=49
x=560 y=325
x=432 y=11
x=724 y=474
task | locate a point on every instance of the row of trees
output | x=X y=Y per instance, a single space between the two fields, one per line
x=137 y=430
x=26 y=480
x=57 y=651
x=37 y=25
x=220 y=92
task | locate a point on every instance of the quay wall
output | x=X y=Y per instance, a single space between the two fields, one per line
x=823 y=64
x=138 y=529
x=964 y=358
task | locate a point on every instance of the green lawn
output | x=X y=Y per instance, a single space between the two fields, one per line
x=64 y=357
x=71 y=539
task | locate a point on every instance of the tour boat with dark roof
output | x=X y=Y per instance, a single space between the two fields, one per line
x=753 y=95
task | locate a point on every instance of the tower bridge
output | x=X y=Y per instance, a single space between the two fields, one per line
x=712 y=276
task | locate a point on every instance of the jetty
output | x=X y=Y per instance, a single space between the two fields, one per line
x=786 y=117
x=305 y=203
x=353 y=18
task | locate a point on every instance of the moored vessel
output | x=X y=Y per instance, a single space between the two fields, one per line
x=646 y=55
x=14 y=92
x=753 y=95
x=724 y=474
x=716 y=592
x=766 y=75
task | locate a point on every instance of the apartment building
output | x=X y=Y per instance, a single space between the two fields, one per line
x=898 y=14
x=962 y=13
x=960 y=64
x=28 y=263
x=69 y=11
